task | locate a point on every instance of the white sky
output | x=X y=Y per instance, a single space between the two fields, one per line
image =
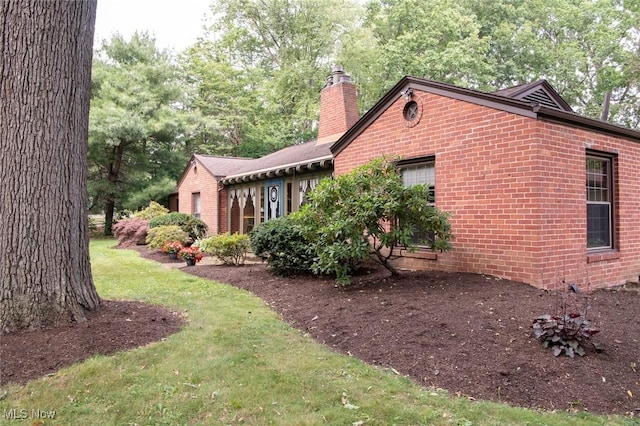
x=176 y=24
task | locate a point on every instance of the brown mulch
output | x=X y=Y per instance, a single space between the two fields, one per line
x=469 y=334
x=118 y=325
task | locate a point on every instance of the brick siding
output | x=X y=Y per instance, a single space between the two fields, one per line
x=516 y=189
x=198 y=179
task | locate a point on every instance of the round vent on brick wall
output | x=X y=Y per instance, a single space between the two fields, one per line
x=412 y=113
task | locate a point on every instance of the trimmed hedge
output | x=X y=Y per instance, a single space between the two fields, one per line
x=158 y=236
x=189 y=224
x=230 y=249
x=282 y=244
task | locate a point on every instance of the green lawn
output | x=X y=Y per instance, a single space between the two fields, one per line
x=237 y=362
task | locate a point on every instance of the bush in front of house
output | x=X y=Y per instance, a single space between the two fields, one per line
x=283 y=245
x=158 y=236
x=189 y=224
x=229 y=249
x=154 y=209
x=369 y=213
x=130 y=232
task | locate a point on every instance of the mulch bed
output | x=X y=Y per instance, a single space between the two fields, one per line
x=469 y=334
x=116 y=326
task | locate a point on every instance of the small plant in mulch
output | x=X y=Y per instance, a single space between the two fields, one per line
x=569 y=329
x=192 y=253
x=172 y=247
x=230 y=249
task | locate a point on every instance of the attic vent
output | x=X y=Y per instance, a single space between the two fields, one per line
x=541 y=97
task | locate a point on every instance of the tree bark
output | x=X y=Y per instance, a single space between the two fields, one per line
x=113 y=176
x=45 y=75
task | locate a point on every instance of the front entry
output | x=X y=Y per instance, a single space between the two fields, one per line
x=274 y=196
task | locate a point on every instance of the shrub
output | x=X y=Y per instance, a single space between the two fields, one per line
x=282 y=243
x=230 y=249
x=157 y=237
x=370 y=214
x=568 y=330
x=152 y=210
x=189 y=224
x=131 y=232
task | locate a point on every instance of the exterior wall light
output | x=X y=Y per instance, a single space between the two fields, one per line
x=407 y=94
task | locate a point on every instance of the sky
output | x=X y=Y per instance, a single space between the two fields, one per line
x=175 y=24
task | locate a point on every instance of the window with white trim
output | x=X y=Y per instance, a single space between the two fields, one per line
x=600 y=201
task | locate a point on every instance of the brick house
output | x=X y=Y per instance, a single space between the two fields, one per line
x=537 y=193
x=199 y=187
x=235 y=194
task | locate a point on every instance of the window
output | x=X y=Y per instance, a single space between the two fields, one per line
x=599 y=201
x=416 y=172
x=195 y=204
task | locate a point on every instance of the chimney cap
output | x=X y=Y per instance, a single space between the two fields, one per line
x=337 y=76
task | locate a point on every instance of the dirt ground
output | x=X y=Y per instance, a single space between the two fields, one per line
x=469 y=334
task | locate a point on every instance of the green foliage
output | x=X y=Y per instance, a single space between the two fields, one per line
x=284 y=245
x=257 y=73
x=137 y=124
x=152 y=210
x=230 y=249
x=369 y=213
x=131 y=231
x=159 y=235
x=434 y=39
x=194 y=227
x=584 y=48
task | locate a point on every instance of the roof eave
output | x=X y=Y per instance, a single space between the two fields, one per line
x=481 y=98
x=515 y=106
x=600 y=126
x=280 y=170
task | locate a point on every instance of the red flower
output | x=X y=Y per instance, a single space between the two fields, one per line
x=172 y=247
x=190 y=253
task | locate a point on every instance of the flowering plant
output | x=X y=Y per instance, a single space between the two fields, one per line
x=190 y=253
x=172 y=247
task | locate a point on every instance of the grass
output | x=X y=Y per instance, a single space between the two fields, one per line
x=237 y=362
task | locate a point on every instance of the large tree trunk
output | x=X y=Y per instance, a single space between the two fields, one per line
x=45 y=74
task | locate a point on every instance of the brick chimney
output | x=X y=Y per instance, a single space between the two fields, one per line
x=338 y=106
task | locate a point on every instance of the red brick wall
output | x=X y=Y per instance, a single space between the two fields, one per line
x=198 y=179
x=515 y=187
x=222 y=210
x=338 y=109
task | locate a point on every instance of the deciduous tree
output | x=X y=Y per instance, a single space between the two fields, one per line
x=45 y=73
x=259 y=70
